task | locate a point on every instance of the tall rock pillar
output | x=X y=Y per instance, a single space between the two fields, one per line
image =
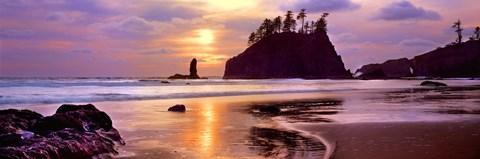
x=193 y=69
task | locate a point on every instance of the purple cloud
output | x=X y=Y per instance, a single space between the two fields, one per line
x=97 y=37
x=58 y=17
x=417 y=42
x=134 y=23
x=15 y=33
x=404 y=10
x=154 y=51
x=314 y=6
x=83 y=51
x=143 y=51
x=344 y=37
x=167 y=10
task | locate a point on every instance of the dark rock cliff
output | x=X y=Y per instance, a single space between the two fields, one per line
x=461 y=61
x=390 y=69
x=288 y=55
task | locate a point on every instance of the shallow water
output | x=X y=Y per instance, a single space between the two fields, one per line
x=79 y=90
x=224 y=127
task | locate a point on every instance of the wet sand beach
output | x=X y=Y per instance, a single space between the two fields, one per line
x=393 y=123
x=398 y=140
x=212 y=127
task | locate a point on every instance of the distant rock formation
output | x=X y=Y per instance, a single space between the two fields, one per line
x=193 y=69
x=193 y=72
x=74 y=131
x=391 y=69
x=288 y=55
x=462 y=60
x=456 y=61
x=179 y=76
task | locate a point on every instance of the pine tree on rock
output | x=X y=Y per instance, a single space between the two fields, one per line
x=476 y=32
x=321 y=24
x=277 y=23
x=289 y=23
x=458 y=29
x=251 y=39
x=301 y=16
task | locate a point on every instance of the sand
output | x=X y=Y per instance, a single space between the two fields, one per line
x=401 y=124
x=413 y=140
x=212 y=127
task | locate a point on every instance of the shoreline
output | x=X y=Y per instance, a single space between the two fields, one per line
x=337 y=135
x=197 y=89
x=210 y=122
x=377 y=140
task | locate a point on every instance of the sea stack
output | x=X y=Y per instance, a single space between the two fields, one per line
x=193 y=69
x=288 y=55
x=193 y=72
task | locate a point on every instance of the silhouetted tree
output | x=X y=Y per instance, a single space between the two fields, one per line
x=289 y=23
x=458 y=28
x=312 y=25
x=251 y=39
x=266 y=29
x=260 y=33
x=321 y=24
x=269 y=27
x=277 y=23
x=476 y=32
x=301 y=16
x=307 y=28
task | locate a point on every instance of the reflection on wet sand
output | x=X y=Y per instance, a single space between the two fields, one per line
x=211 y=127
x=280 y=143
x=269 y=142
x=234 y=127
x=443 y=100
x=299 y=111
x=205 y=131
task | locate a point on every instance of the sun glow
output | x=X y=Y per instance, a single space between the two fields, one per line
x=205 y=36
x=231 y=5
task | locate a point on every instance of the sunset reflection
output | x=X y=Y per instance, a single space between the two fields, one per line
x=208 y=118
x=205 y=130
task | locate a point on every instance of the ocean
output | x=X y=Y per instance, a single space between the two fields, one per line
x=221 y=119
x=14 y=91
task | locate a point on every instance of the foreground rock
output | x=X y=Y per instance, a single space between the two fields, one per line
x=270 y=109
x=177 y=108
x=288 y=55
x=432 y=83
x=193 y=72
x=74 y=131
x=455 y=61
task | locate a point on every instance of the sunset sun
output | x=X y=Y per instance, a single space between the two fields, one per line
x=321 y=79
x=205 y=36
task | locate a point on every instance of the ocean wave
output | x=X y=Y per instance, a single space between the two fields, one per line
x=77 y=90
x=102 y=97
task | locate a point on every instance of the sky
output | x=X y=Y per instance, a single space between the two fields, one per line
x=138 y=38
